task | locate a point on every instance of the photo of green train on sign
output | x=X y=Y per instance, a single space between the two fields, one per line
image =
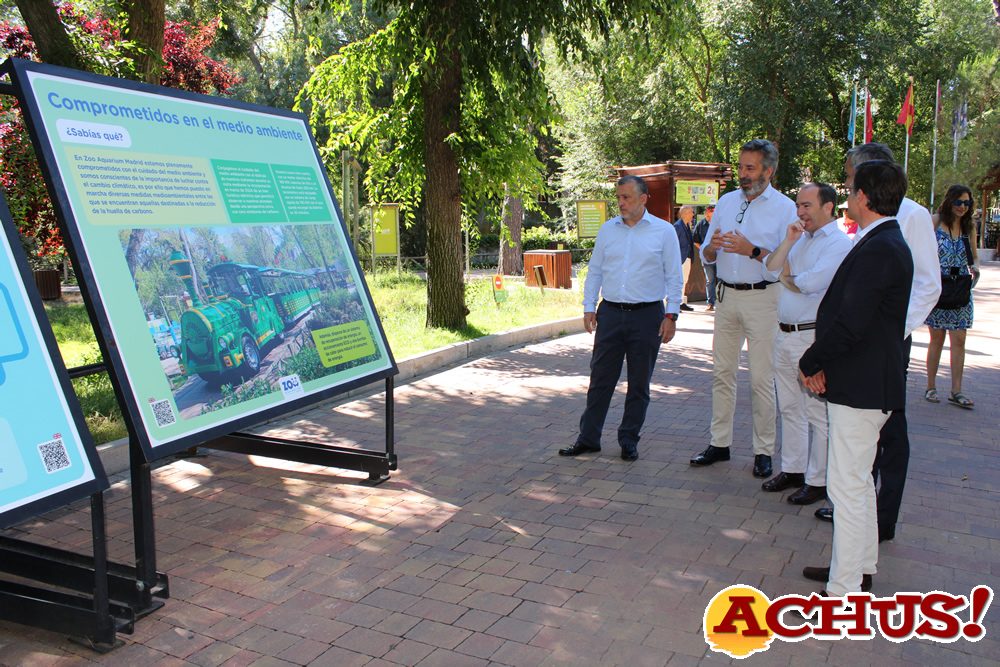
x=239 y=312
x=248 y=307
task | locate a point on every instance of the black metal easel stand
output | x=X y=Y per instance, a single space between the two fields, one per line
x=80 y=603
x=376 y=464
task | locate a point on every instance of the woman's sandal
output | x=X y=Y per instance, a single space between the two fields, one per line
x=960 y=400
x=932 y=395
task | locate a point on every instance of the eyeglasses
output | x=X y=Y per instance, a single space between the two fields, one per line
x=963 y=202
x=743 y=208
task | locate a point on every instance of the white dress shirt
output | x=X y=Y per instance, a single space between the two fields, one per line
x=814 y=260
x=918 y=230
x=764 y=223
x=637 y=264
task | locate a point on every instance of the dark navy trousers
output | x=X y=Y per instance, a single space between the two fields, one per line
x=632 y=337
x=891 y=462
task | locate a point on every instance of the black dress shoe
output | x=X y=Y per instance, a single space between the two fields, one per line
x=629 y=453
x=578 y=448
x=886 y=535
x=710 y=456
x=762 y=465
x=823 y=574
x=784 y=480
x=824 y=514
x=684 y=306
x=808 y=495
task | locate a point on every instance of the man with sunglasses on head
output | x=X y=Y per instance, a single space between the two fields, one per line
x=748 y=224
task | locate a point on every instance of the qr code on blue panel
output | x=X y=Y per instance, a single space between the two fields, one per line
x=163 y=412
x=54 y=455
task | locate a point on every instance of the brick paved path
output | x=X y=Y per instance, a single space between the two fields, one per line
x=487 y=548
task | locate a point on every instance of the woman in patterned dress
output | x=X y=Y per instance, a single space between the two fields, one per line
x=952 y=222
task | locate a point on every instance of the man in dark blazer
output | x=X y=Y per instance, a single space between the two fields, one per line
x=857 y=363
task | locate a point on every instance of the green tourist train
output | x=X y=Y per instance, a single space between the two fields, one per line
x=245 y=308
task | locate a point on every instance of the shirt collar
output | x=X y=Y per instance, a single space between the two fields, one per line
x=763 y=196
x=644 y=218
x=825 y=230
x=864 y=232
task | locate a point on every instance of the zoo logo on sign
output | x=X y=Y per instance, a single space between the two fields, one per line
x=741 y=621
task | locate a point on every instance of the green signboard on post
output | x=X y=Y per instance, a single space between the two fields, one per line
x=385 y=230
x=590 y=215
x=697 y=193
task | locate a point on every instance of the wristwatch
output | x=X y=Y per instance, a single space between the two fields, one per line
x=756 y=253
x=672 y=316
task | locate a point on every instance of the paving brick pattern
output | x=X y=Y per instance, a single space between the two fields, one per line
x=486 y=548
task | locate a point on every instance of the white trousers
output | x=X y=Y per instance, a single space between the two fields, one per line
x=853 y=441
x=686 y=267
x=751 y=316
x=799 y=408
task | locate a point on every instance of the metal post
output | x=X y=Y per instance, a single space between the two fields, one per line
x=105 y=625
x=142 y=523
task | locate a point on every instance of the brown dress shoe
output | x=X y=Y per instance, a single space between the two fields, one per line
x=823 y=574
x=784 y=480
x=807 y=495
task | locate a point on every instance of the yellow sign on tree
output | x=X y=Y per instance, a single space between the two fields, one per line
x=385 y=230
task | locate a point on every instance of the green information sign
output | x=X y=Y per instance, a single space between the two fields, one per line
x=207 y=235
x=698 y=193
x=590 y=215
x=385 y=230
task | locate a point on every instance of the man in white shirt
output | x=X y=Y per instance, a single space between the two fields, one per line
x=805 y=263
x=636 y=263
x=748 y=224
x=893 y=456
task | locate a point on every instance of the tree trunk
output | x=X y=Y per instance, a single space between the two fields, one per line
x=511 y=258
x=443 y=193
x=49 y=34
x=146 y=20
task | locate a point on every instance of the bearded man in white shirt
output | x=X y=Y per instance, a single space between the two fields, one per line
x=893 y=456
x=805 y=263
x=748 y=224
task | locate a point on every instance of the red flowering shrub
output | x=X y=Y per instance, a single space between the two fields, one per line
x=185 y=67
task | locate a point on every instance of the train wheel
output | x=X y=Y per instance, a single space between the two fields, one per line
x=251 y=358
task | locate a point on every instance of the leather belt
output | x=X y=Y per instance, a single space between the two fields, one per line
x=747 y=286
x=630 y=306
x=789 y=328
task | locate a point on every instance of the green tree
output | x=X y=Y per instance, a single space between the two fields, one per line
x=465 y=96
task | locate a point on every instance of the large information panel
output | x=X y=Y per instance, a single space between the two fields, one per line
x=590 y=215
x=209 y=240
x=47 y=458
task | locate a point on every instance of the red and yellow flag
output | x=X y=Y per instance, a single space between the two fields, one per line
x=907 y=114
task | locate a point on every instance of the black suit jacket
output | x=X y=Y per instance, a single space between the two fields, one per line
x=861 y=322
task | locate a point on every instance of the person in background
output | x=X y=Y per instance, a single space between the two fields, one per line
x=954 y=230
x=700 y=235
x=685 y=237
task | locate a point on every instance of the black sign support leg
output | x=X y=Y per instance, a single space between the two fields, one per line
x=147 y=581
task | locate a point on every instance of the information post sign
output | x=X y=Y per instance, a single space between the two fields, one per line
x=697 y=193
x=385 y=230
x=590 y=215
x=47 y=458
x=221 y=211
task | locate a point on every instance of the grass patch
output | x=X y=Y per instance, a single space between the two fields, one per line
x=401 y=301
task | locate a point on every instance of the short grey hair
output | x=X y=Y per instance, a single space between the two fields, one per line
x=640 y=185
x=767 y=151
x=868 y=152
x=686 y=207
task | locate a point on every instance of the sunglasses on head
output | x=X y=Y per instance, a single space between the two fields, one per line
x=963 y=202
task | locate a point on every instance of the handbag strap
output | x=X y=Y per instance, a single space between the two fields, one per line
x=968 y=250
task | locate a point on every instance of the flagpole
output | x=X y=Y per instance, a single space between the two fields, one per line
x=854 y=116
x=867 y=102
x=937 y=108
x=906 y=156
